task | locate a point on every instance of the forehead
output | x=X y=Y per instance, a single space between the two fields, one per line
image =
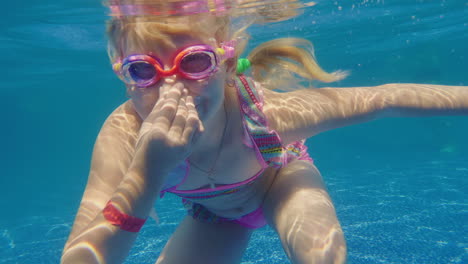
x=177 y=42
x=166 y=37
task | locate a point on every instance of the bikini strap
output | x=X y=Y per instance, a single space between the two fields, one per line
x=267 y=142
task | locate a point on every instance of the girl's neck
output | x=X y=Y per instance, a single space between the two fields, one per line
x=217 y=128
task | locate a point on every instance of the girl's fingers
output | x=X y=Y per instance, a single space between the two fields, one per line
x=193 y=124
x=163 y=95
x=165 y=109
x=180 y=118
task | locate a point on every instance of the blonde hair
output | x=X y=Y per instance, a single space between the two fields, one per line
x=134 y=32
x=284 y=63
x=287 y=63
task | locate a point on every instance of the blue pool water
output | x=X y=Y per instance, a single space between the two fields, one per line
x=399 y=185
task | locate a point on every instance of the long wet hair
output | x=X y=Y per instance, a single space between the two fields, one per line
x=282 y=64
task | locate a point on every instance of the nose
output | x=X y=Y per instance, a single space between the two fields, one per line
x=169 y=75
x=170 y=79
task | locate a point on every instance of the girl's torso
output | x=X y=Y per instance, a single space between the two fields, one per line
x=237 y=162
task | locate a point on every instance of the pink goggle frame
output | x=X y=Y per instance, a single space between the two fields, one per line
x=195 y=62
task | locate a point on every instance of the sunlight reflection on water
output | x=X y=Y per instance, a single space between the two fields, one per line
x=275 y=8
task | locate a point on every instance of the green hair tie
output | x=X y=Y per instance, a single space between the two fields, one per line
x=242 y=65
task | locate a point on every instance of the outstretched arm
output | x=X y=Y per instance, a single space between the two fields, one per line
x=304 y=113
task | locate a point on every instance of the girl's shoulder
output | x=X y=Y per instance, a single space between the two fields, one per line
x=124 y=116
x=123 y=122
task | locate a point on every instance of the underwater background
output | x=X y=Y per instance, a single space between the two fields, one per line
x=399 y=184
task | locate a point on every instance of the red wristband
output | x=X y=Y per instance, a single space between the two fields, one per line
x=123 y=221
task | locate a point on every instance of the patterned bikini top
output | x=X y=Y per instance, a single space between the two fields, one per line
x=266 y=143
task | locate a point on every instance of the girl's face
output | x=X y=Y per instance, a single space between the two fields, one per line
x=208 y=93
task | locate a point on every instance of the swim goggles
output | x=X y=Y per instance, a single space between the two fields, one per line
x=195 y=62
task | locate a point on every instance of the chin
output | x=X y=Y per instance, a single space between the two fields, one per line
x=206 y=108
x=203 y=108
x=200 y=110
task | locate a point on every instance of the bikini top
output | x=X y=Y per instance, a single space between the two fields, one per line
x=266 y=143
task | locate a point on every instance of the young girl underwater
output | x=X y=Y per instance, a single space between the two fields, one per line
x=228 y=144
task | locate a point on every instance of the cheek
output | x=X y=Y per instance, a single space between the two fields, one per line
x=209 y=88
x=213 y=98
x=143 y=100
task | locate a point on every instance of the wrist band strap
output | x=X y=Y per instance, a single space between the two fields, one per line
x=123 y=221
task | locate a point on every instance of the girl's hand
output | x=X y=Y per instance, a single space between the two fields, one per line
x=166 y=135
